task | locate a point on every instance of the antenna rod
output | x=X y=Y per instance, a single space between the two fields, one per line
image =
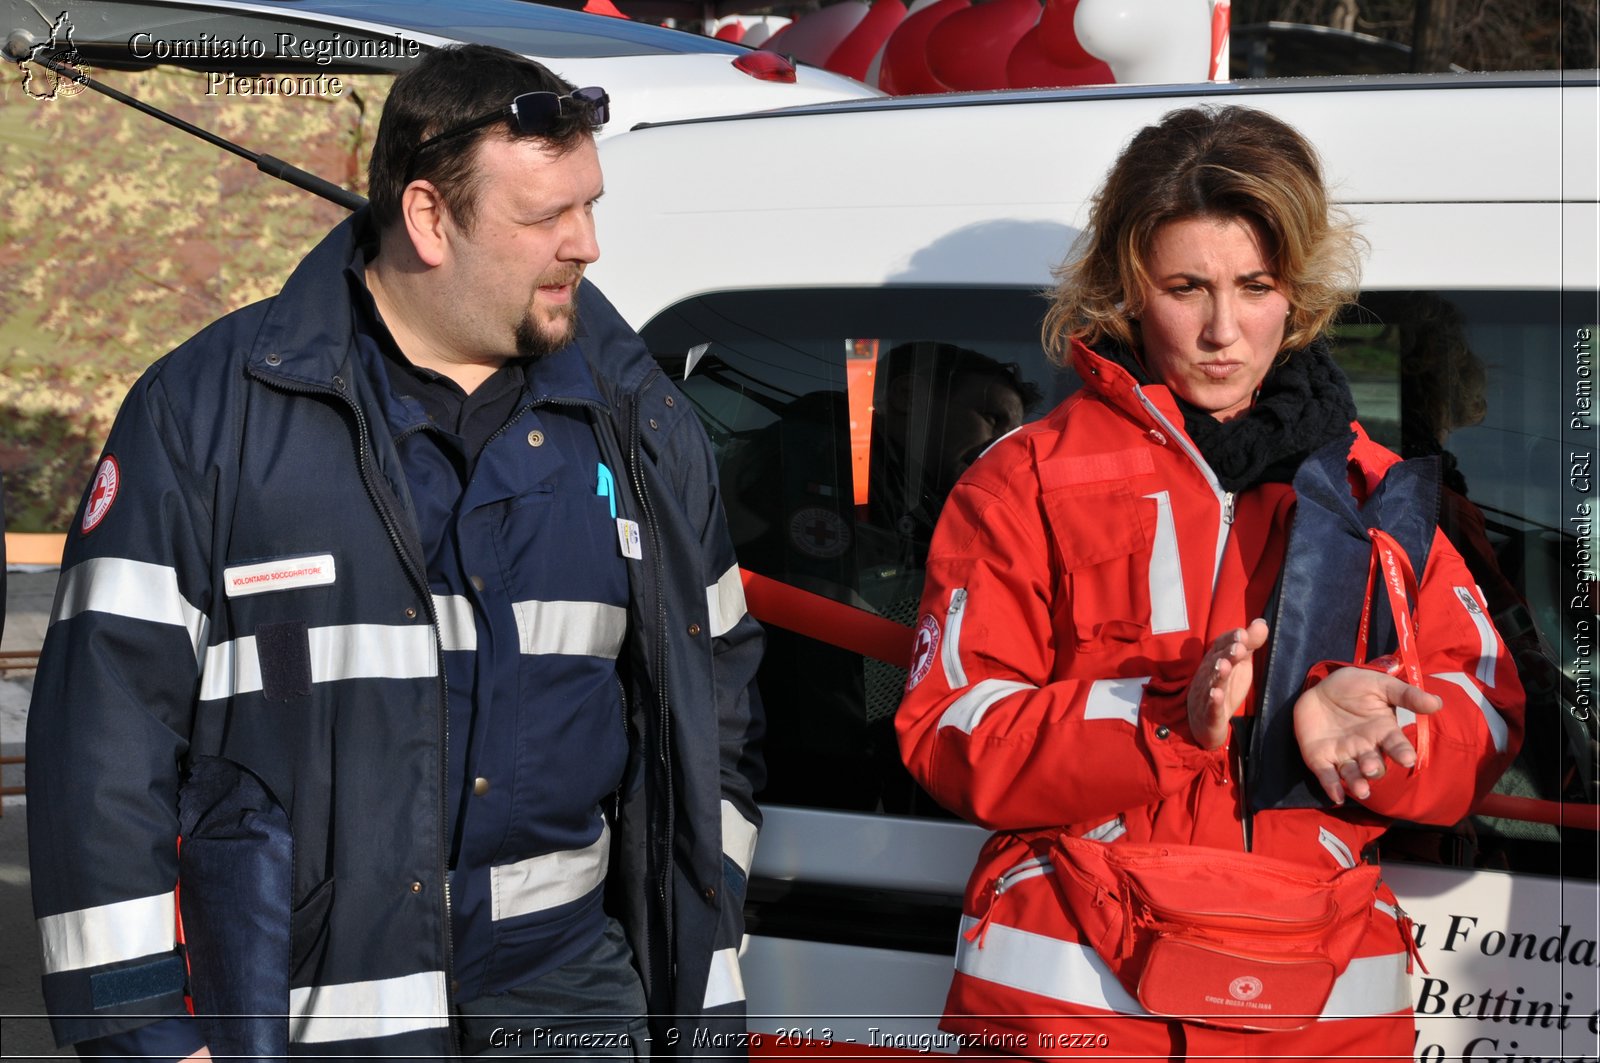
x=267 y=164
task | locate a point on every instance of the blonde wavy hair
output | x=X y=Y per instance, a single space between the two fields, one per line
x=1227 y=162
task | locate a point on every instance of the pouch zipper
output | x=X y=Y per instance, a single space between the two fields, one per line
x=1403 y=920
x=1152 y=911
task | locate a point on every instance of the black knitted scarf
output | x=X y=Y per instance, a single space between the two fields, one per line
x=1303 y=404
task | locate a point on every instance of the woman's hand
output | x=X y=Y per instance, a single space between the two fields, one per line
x=1222 y=681
x=1346 y=726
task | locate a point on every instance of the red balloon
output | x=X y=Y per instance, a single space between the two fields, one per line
x=855 y=52
x=969 y=49
x=1030 y=68
x=733 y=31
x=603 y=7
x=1058 y=38
x=905 y=58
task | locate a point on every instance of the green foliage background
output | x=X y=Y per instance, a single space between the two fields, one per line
x=124 y=236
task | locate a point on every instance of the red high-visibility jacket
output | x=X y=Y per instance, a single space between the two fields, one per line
x=1078 y=574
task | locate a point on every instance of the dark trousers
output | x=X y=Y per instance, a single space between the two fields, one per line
x=591 y=1007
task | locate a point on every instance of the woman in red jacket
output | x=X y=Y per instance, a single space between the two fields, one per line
x=1171 y=654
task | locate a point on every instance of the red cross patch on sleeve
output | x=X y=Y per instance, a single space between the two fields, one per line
x=103 y=492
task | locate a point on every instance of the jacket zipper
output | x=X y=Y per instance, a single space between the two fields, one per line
x=954 y=675
x=663 y=709
x=1030 y=868
x=1226 y=500
x=616 y=796
x=419 y=578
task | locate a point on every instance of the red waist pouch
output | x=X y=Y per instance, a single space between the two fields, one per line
x=1229 y=939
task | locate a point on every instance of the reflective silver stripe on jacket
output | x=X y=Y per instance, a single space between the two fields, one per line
x=738 y=837
x=967 y=711
x=1075 y=974
x=1496 y=723
x=586 y=629
x=725 y=602
x=458 y=630
x=543 y=882
x=1488 y=641
x=344 y=651
x=1115 y=699
x=108 y=933
x=1169 y=609
x=137 y=590
x=724 y=983
x=360 y=1010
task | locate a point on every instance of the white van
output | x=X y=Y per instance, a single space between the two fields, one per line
x=788 y=266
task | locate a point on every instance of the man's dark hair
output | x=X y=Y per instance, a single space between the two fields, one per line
x=449 y=88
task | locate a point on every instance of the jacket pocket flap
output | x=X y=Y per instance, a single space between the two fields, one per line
x=1097 y=522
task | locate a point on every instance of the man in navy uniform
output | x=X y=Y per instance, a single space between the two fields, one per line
x=404 y=599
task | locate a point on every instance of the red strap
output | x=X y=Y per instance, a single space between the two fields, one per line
x=826 y=620
x=1401 y=583
x=1389 y=561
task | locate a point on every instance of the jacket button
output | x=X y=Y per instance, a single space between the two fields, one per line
x=411 y=612
x=274 y=359
x=670 y=403
x=694 y=629
x=653 y=423
x=416 y=887
x=1157 y=438
x=535 y=438
x=710 y=893
x=480 y=786
x=477 y=582
x=338 y=383
x=1163 y=731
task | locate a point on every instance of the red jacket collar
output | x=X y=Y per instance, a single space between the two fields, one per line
x=1117 y=386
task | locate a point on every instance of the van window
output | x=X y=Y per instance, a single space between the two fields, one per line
x=841 y=419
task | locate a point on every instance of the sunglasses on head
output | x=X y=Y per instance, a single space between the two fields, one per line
x=534 y=114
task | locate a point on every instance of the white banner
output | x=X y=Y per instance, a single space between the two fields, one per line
x=1512 y=972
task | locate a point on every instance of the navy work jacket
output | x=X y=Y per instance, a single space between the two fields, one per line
x=244 y=598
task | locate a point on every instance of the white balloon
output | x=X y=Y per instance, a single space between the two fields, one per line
x=755 y=34
x=815 y=36
x=874 y=67
x=1148 y=41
